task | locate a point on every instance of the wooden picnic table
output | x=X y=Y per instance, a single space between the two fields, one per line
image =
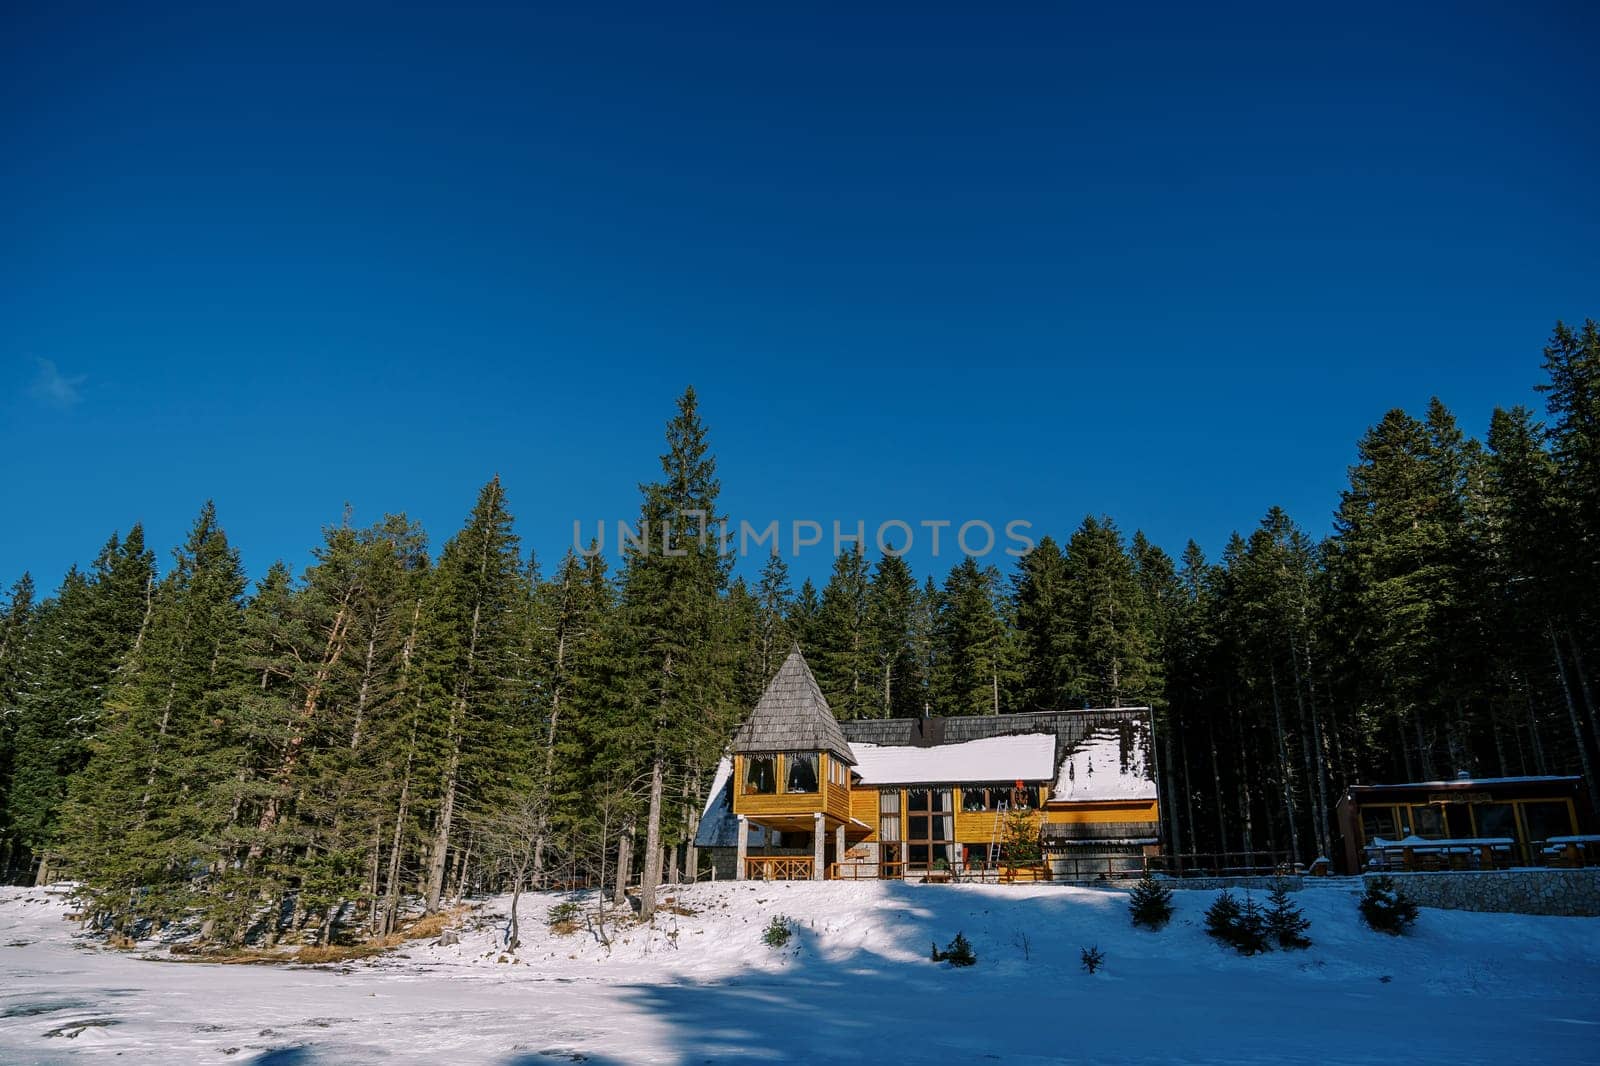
x=1484 y=848
x=1572 y=848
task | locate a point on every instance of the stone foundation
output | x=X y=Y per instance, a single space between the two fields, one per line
x=1559 y=892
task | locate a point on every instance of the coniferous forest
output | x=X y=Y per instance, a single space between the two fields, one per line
x=411 y=720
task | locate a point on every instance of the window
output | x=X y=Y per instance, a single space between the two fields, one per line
x=1546 y=820
x=1022 y=799
x=1427 y=823
x=760 y=775
x=992 y=797
x=889 y=857
x=802 y=772
x=889 y=815
x=1378 y=822
x=1496 y=820
x=930 y=827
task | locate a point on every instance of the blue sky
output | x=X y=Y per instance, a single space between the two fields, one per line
x=921 y=263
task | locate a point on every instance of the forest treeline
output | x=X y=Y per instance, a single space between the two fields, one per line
x=312 y=754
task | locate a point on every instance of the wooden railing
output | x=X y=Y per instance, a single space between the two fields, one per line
x=778 y=867
x=865 y=871
x=1222 y=864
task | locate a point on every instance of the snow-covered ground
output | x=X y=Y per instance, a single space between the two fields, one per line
x=855 y=984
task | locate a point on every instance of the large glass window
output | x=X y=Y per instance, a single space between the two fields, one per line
x=930 y=827
x=802 y=772
x=1496 y=820
x=889 y=858
x=992 y=798
x=1427 y=823
x=760 y=775
x=1378 y=822
x=1546 y=820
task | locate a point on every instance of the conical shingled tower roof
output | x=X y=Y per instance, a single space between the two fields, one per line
x=792 y=715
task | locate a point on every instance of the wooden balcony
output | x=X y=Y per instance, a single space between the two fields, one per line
x=778 y=868
x=785 y=810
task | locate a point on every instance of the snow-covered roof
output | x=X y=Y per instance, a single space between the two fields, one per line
x=719 y=826
x=1028 y=757
x=1103 y=767
x=1470 y=781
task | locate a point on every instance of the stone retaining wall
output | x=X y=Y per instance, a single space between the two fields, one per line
x=1213 y=884
x=1563 y=892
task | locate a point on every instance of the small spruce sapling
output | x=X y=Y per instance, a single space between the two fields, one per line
x=1150 y=905
x=563 y=917
x=1285 y=923
x=1241 y=927
x=1222 y=917
x=1250 y=935
x=1386 y=908
x=777 y=933
x=1093 y=958
x=957 y=953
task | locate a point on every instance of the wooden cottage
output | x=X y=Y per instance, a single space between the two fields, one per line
x=802 y=796
x=790 y=775
x=1468 y=822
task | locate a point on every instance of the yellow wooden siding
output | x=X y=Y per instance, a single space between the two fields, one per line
x=838 y=800
x=864 y=809
x=835 y=795
x=832 y=798
x=1078 y=813
x=978 y=827
x=782 y=803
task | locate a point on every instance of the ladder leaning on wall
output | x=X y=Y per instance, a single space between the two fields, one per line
x=991 y=868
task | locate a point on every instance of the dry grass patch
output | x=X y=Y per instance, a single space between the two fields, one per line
x=319 y=954
x=424 y=928
x=237 y=956
x=431 y=925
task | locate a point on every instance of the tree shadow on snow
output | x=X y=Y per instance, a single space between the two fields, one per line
x=853 y=1004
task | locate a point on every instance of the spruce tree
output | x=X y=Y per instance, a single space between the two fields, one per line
x=670 y=609
x=892 y=608
x=567 y=634
x=1396 y=553
x=1112 y=656
x=479 y=740
x=845 y=659
x=16 y=630
x=1150 y=903
x=1285 y=923
x=1523 y=588
x=974 y=652
x=1572 y=363
x=85 y=632
x=1043 y=632
x=773 y=603
x=140 y=826
x=802 y=619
